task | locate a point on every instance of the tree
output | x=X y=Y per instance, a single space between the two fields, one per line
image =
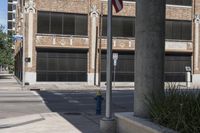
x=6 y=51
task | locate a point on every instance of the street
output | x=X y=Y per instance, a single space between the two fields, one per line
x=75 y=106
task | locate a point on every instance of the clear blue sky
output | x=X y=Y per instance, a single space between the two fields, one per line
x=3 y=13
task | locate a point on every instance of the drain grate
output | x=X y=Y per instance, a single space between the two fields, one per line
x=34 y=89
x=72 y=113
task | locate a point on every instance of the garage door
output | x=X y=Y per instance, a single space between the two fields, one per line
x=124 y=68
x=174 y=67
x=61 y=65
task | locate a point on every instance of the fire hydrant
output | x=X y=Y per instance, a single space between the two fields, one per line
x=99 y=100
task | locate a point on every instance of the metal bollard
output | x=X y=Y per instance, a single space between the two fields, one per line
x=188 y=79
x=99 y=100
x=188 y=76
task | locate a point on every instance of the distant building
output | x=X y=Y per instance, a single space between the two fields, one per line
x=11 y=15
x=62 y=42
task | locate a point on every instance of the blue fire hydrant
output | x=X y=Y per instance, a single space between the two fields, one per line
x=99 y=100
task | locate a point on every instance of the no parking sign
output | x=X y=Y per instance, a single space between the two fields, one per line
x=115 y=58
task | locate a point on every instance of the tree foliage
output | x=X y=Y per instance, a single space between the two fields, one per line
x=6 y=51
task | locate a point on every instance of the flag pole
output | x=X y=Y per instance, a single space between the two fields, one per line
x=109 y=62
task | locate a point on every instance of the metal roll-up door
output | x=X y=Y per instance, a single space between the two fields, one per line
x=175 y=67
x=61 y=65
x=124 y=68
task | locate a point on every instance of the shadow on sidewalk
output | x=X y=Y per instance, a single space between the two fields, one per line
x=5 y=77
x=78 y=107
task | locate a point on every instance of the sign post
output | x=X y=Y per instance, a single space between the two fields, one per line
x=115 y=58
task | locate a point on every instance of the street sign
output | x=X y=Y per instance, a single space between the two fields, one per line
x=115 y=58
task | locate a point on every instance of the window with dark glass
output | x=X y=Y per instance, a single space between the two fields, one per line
x=56 y=23
x=63 y=23
x=180 y=30
x=121 y=26
x=81 y=23
x=9 y=16
x=179 y=2
x=9 y=7
x=176 y=2
x=9 y=25
x=69 y=24
x=43 y=22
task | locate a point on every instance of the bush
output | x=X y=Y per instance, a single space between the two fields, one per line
x=179 y=110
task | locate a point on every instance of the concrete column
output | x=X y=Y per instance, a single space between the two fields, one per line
x=196 y=47
x=30 y=38
x=94 y=16
x=196 y=75
x=150 y=51
x=29 y=10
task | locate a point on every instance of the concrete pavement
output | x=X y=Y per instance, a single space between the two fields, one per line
x=8 y=82
x=38 y=123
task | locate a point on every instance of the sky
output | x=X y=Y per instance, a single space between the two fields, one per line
x=3 y=13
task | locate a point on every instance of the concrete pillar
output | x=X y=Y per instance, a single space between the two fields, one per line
x=30 y=76
x=196 y=47
x=30 y=38
x=150 y=51
x=196 y=75
x=91 y=75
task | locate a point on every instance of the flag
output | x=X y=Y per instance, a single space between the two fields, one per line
x=118 y=5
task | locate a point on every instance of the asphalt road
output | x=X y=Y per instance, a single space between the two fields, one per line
x=83 y=101
x=18 y=103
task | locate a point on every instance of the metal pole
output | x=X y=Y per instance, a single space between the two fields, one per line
x=23 y=52
x=109 y=62
x=114 y=76
x=100 y=36
x=95 y=58
x=23 y=64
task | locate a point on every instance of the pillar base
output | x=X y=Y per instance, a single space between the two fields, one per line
x=108 y=125
x=195 y=80
x=128 y=123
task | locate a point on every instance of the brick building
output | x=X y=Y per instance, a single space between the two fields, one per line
x=62 y=40
x=11 y=15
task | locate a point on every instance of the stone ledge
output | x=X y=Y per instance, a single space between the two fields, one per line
x=127 y=123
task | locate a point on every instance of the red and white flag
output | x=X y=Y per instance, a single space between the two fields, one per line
x=118 y=5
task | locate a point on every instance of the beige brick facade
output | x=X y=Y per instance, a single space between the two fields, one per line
x=173 y=12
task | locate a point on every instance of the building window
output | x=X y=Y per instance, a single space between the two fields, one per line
x=56 y=23
x=125 y=27
x=43 y=22
x=176 y=2
x=179 y=2
x=179 y=30
x=122 y=26
x=62 y=23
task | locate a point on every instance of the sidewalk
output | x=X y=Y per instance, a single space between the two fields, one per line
x=67 y=86
x=41 y=123
x=8 y=82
